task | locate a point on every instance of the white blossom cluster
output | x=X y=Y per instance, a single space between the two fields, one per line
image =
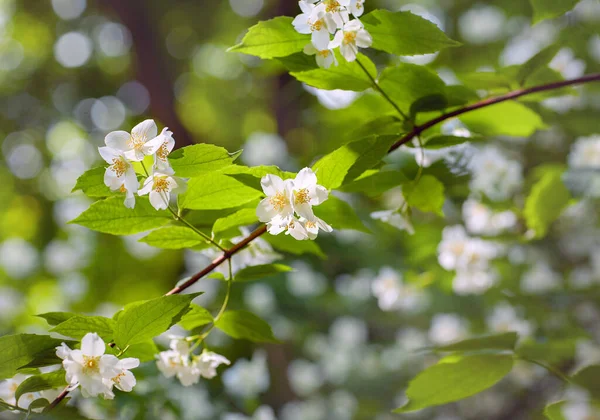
x=394 y=294
x=324 y=18
x=123 y=148
x=181 y=362
x=95 y=372
x=288 y=198
x=8 y=390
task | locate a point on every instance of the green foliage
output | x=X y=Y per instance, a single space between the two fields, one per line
x=145 y=351
x=195 y=160
x=91 y=182
x=425 y=194
x=145 y=320
x=42 y=382
x=21 y=350
x=196 y=317
x=55 y=318
x=536 y=62
x=554 y=411
x=174 y=237
x=589 y=378
x=505 y=118
x=403 y=33
x=504 y=341
x=544 y=9
x=242 y=217
x=286 y=243
x=257 y=272
x=214 y=191
x=346 y=75
x=272 y=38
x=78 y=326
x=454 y=378
x=439 y=141
x=111 y=216
x=546 y=201
x=374 y=182
x=339 y=214
x=247 y=326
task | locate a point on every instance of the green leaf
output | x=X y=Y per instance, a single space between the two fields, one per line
x=373 y=182
x=257 y=272
x=505 y=118
x=41 y=382
x=346 y=75
x=78 y=326
x=272 y=38
x=536 y=62
x=173 y=237
x=546 y=201
x=440 y=141
x=403 y=33
x=554 y=411
x=426 y=194
x=214 y=191
x=55 y=318
x=21 y=349
x=505 y=341
x=146 y=320
x=285 y=243
x=246 y=325
x=196 y=317
x=91 y=182
x=39 y=403
x=111 y=216
x=352 y=159
x=298 y=62
x=589 y=378
x=145 y=351
x=339 y=214
x=242 y=217
x=548 y=9
x=195 y=160
x=454 y=378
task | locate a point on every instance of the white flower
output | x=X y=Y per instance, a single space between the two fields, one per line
x=495 y=175
x=208 y=362
x=446 y=328
x=325 y=57
x=336 y=13
x=95 y=371
x=306 y=193
x=504 y=318
x=479 y=219
x=352 y=36
x=540 y=279
x=120 y=175
x=313 y=225
x=585 y=153
x=140 y=143
x=293 y=227
x=312 y=21
x=357 y=7
x=276 y=208
x=394 y=218
x=9 y=387
x=566 y=63
x=392 y=293
x=161 y=162
x=248 y=378
x=159 y=185
x=473 y=280
x=458 y=251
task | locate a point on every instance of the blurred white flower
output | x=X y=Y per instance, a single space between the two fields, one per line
x=208 y=362
x=481 y=220
x=446 y=328
x=494 y=174
x=473 y=281
x=566 y=64
x=394 y=218
x=304 y=281
x=18 y=258
x=305 y=377
x=460 y=252
x=393 y=294
x=504 y=318
x=585 y=153
x=540 y=278
x=248 y=378
x=9 y=387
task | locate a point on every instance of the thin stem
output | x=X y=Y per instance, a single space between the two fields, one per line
x=195 y=229
x=549 y=368
x=380 y=90
x=12 y=407
x=58 y=399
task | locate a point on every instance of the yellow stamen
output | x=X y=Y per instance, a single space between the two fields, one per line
x=331 y=6
x=317 y=25
x=119 y=167
x=91 y=364
x=117 y=378
x=122 y=188
x=279 y=201
x=310 y=225
x=301 y=196
x=136 y=141
x=162 y=152
x=349 y=38
x=323 y=53
x=161 y=184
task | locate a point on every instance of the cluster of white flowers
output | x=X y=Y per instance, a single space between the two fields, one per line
x=323 y=18
x=286 y=197
x=470 y=258
x=123 y=148
x=393 y=294
x=188 y=367
x=585 y=153
x=495 y=175
x=95 y=372
x=481 y=220
x=8 y=390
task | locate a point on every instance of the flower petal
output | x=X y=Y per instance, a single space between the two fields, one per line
x=92 y=345
x=118 y=140
x=272 y=184
x=146 y=129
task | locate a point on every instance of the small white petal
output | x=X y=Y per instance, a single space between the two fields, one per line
x=92 y=345
x=118 y=140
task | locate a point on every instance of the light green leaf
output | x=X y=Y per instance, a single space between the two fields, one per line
x=454 y=378
x=196 y=317
x=285 y=243
x=144 y=321
x=41 y=382
x=505 y=341
x=427 y=194
x=145 y=351
x=91 y=182
x=173 y=237
x=546 y=201
x=21 y=349
x=373 y=183
x=242 y=217
x=272 y=38
x=246 y=325
x=55 y=318
x=403 y=33
x=213 y=191
x=191 y=161
x=554 y=411
x=257 y=272
x=346 y=75
x=78 y=326
x=339 y=214
x=548 y=9
x=111 y=216
x=505 y=118
x=536 y=62
x=440 y=141
x=589 y=378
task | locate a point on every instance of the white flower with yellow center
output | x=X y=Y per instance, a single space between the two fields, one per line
x=140 y=143
x=357 y=7
x=325 y=57
x=208 y=362
x=160 y=185
x=312 y=21
x=161 y=161
x=8 y=389
x=313 y=225
x=306 y=193
x=124 y=379
x=336 y=12
x=276 y=208
x=352 y=36
x=119 y=175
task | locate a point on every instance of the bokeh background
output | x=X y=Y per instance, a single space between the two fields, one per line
x=73 y=70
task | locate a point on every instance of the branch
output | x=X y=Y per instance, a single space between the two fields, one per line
x=491 y=101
